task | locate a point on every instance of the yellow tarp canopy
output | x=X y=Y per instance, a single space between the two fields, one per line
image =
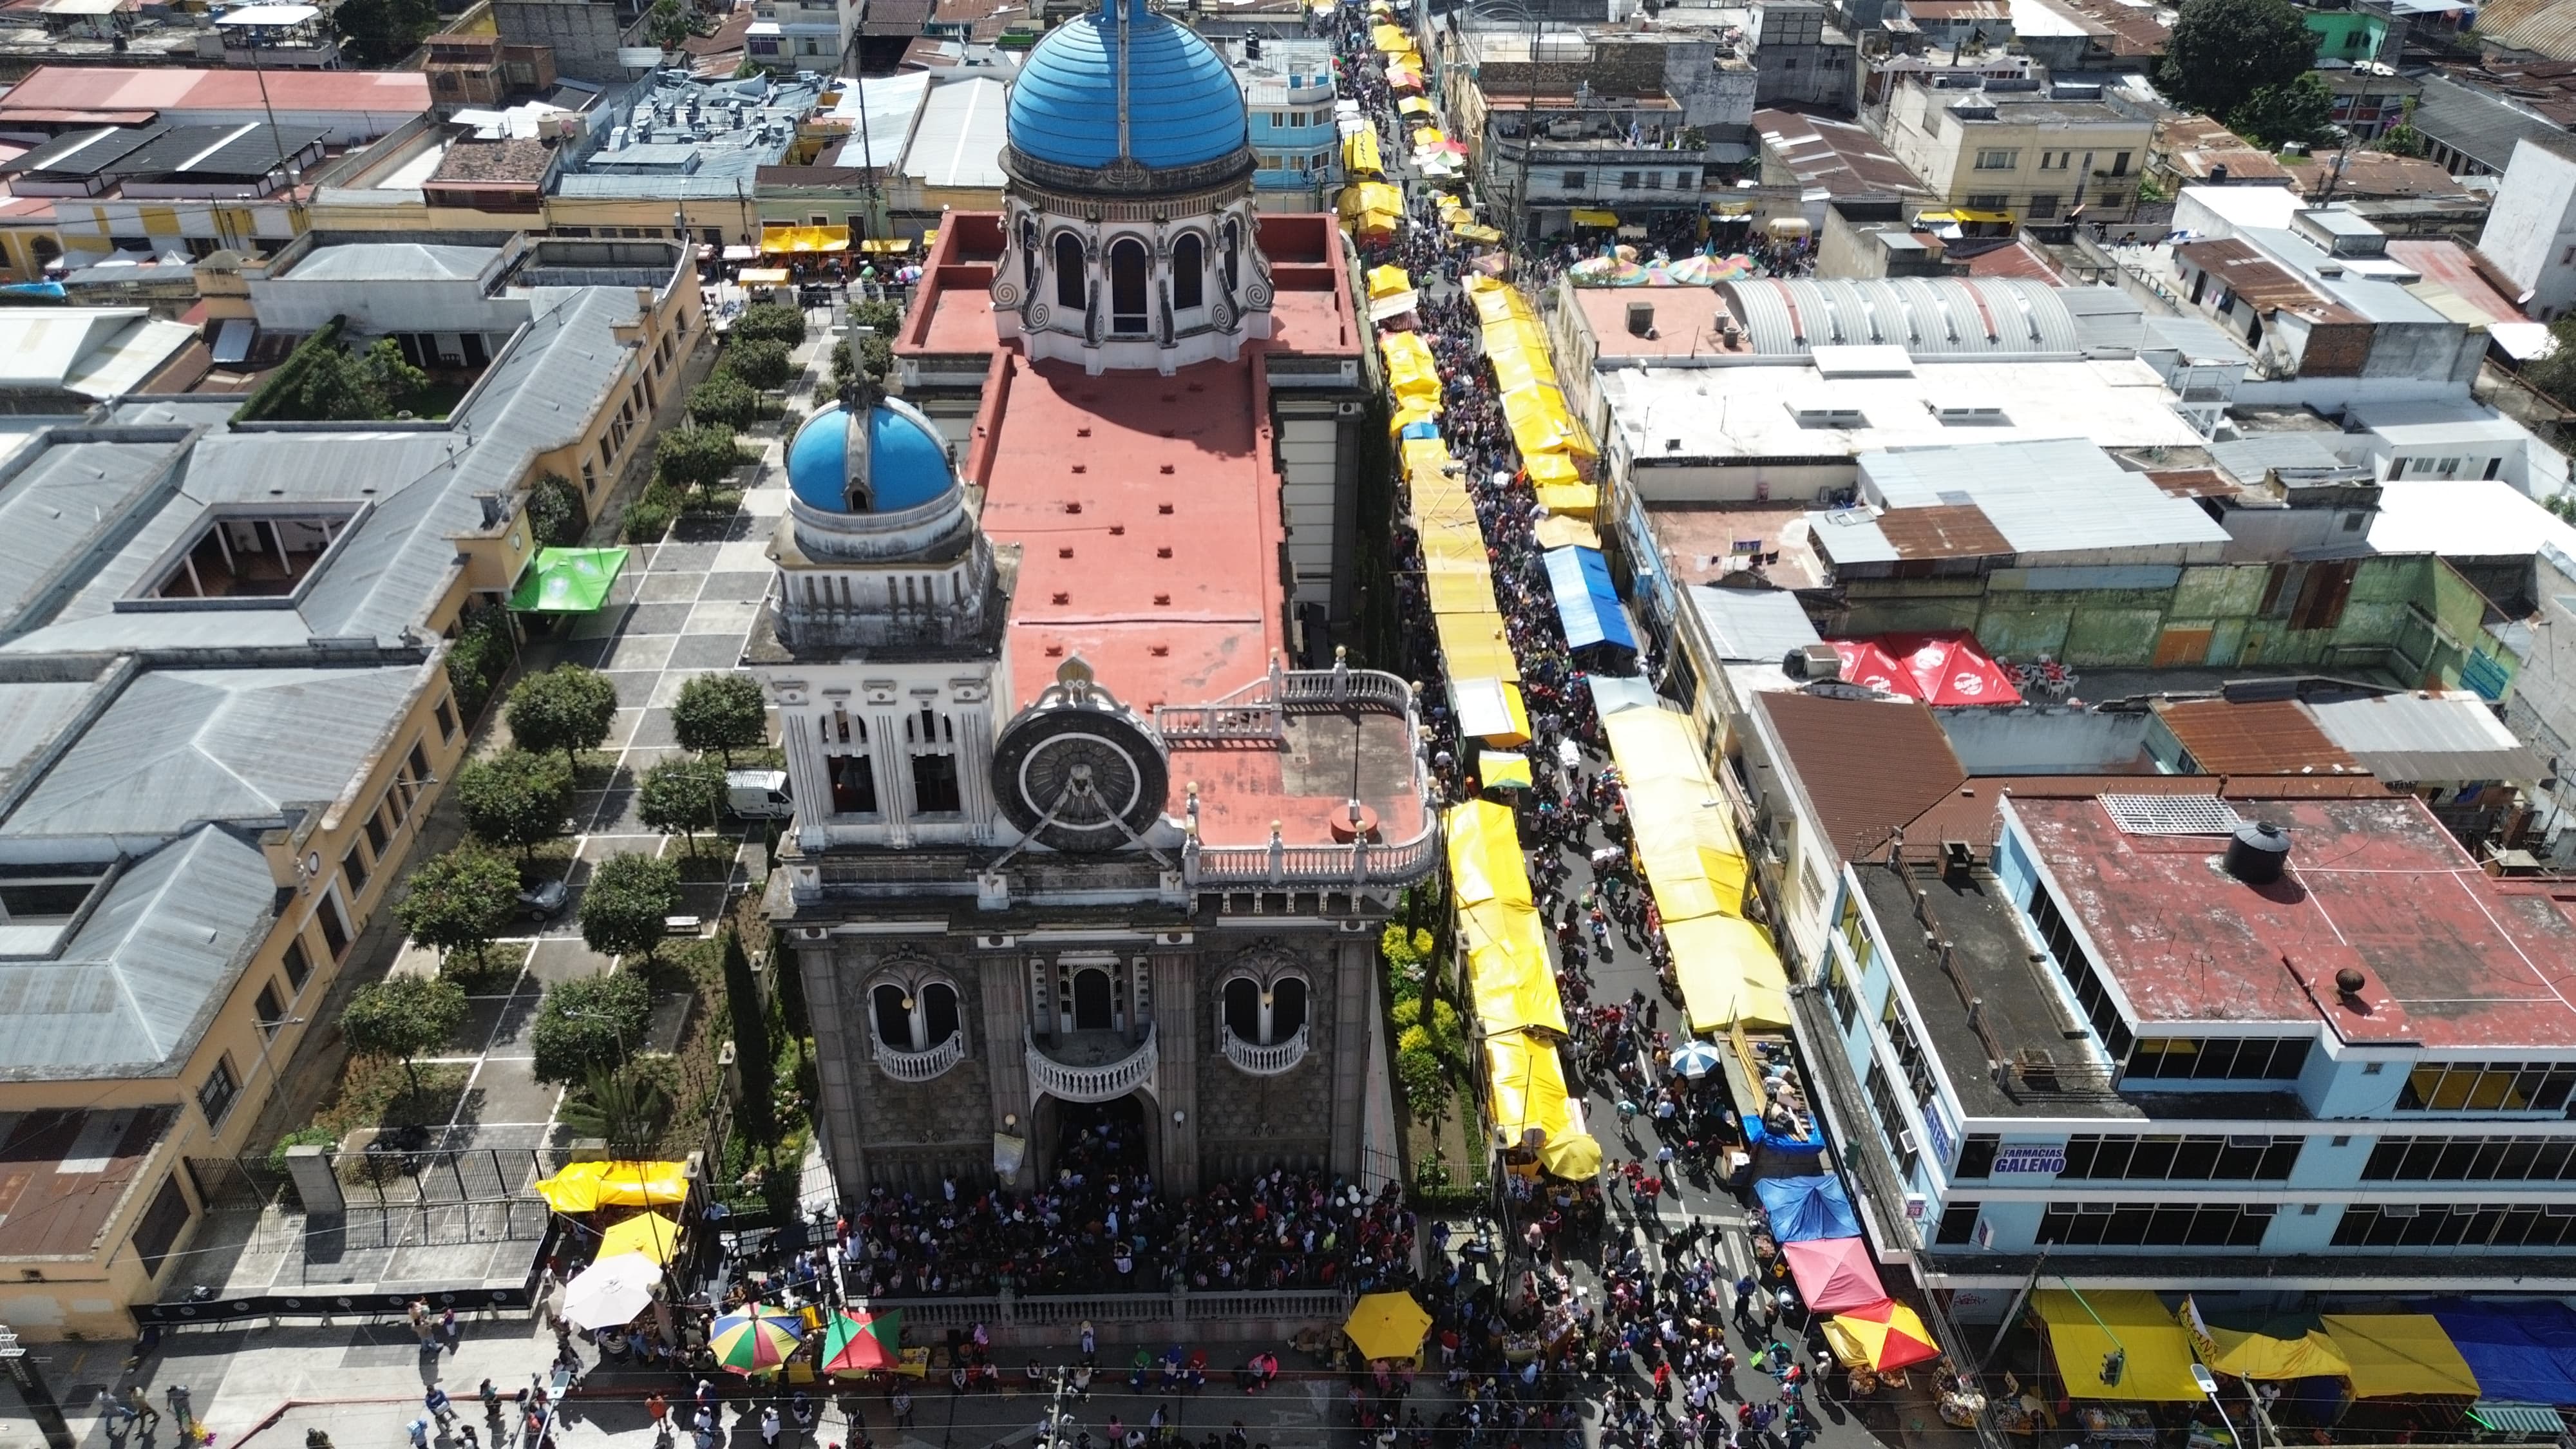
x=1409 y=411
x=761 y=276
x=1366 y=196
x=1413 y=106
x=1526 y=1088
x=1498 y=768
x=1477 y=233
x=584 y=1186
x=1574 y=500
x=2260 y=1356
x=793 y=239
x=2399 y=1355
x=1558 y=531
x=1490 y=710
x=1473 y=647
x=1729 y=971
x=1461 y=593
x=1554 y=469
x=1411 y=372
x=1583 y=217
x=1427 y=136
x=1359 y=154
x=1992 y=218
x=1511 y=976
x=2158 y=1364
x=885 y=244
x=1387 y=281
x=1730 y=974
x=1390 y=39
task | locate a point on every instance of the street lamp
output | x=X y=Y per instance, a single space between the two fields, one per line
x=2208 y=1382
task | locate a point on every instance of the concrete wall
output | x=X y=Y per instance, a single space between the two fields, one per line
x=585 y=35
x=2532 y=227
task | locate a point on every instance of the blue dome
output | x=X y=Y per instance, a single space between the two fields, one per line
x=907 y=464
x=1183 y=106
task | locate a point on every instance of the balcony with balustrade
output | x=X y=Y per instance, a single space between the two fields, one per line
x=925 y=1065
x=1265 y=1061
x=1090 y=1066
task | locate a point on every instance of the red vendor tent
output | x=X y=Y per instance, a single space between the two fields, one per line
x=1934 y=668
x=1834 y=1274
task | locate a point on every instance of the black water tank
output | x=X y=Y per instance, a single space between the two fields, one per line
x=2257 y=853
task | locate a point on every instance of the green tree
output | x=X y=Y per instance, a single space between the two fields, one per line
x=687 y=458
x=2402 y=139
x=723 y=400
x=1425 y=1083
x=554 y=512
x=751 y=1047
x=402 y=1017
x=771 y=321
x=759 y=361
x=2223 y=51
x=589 y=1022
x=623 y=907
x=681 y=797
x=515 y=798
x=460 y=900
x=721 y=712
x=379 y=33
x=624 y=1106
x=2555 y=374
x=567 y=708
x=2299 y=109
x=668 y=24
x=394 y=380
x=332 y=389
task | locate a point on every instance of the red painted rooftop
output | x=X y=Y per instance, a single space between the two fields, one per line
x=2454 y=960
x=396 y=95
x=1148 y=518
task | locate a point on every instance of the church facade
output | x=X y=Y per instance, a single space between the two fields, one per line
x=1075 y=848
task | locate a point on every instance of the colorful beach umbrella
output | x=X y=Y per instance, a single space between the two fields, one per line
x=863 y=1342
x=1883 y=1336
x=753 y=1341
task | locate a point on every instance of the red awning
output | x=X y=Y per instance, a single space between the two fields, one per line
x=1934 y=668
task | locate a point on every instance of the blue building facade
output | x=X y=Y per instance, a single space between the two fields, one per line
x=1289 y=91
x=2102 y=1047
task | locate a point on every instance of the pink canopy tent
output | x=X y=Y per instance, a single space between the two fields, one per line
x=1834 y=1274
x=1934 y=668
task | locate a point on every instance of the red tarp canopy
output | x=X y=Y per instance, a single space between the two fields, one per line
x=1934 y=668
x=1834 y=1274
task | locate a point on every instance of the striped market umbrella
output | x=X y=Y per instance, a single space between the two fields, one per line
x=1884 y=1336
x=863 y=1342
x=753 y=1341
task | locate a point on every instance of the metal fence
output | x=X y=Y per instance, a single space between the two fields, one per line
x=1046 y=1317
x=383 y=1178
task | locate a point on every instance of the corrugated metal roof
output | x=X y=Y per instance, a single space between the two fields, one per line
x=393 y=262
x=2419 y=738
x=1927 y=316
x=181 y=746
x=2247 y=459
x=2048 y=496
x=1753 y=624
x=69 y=499
x=2473 y=123
x=1867 y=766
x=958 y=141
x=136 y=986
x=2263 y=737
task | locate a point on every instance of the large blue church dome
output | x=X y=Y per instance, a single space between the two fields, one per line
x=907 y=463
x=1183 y=105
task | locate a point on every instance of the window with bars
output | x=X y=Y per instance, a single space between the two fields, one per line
x=215 y=1095
x=1891 y=1120
x=2471 y=1159
x=2457 y=1225
x=2092 y=997
x=2181 y=1159
x=2217 y=1059
x=2155 y=1224
x=2487 y=1087
x=1909 y=1050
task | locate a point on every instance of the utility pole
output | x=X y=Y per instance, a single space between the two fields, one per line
x=32 y=1387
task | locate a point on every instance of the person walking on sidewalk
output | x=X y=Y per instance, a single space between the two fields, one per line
x=136 y=1406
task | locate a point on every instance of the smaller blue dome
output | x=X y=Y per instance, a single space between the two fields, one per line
x=907 y=463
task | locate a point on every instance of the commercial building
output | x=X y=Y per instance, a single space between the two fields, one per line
x=1817 y=161
x=1076 y=845
x=2530 y=232
x=227 y=714
x=1800 y=58
x=1289 y=90
x=2022 y=155
x=817 y=35
x=678 y=154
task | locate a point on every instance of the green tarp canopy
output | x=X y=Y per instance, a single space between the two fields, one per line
x=567 y=580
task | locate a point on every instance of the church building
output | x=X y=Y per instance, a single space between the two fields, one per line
x=1076 y=844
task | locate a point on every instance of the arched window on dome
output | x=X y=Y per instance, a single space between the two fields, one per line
x=1189 y=272
x=1128 y=269
x=1068 y=271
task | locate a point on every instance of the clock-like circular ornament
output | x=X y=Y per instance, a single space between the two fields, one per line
x=1079 y=772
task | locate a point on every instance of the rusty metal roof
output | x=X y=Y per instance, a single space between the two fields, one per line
x=1948 y=530
x=1869 y=767
x=2267 y=737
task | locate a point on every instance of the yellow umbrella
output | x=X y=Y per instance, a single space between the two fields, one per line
x=650 y=1234
x=1576 y=1158
x=1387 y=1325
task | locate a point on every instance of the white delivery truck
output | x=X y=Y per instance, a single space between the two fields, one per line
x=758 y=794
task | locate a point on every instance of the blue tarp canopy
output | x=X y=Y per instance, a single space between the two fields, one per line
x=1585 y=600
x=1803 y=1209
x=1422 y=430
x=2521 y=1351
x=1757 y=1135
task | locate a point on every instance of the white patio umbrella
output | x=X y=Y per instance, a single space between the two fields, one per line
x=1696 y=1059
x=611 y=1291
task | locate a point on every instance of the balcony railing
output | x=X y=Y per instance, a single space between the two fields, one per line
x=1358 y=863
x=1104 y=1083
x=921 y=1066
x=1265 y=1061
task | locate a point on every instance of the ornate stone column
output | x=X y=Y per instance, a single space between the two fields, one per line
x=1354 y=1032
x=1176 y=1073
